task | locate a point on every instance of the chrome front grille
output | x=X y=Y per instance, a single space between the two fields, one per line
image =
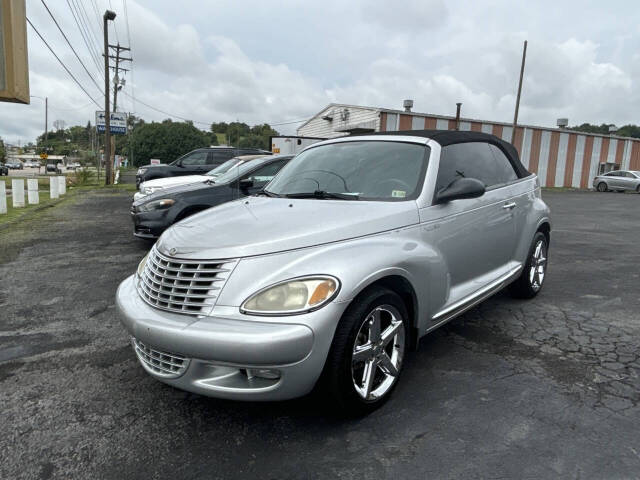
x=167 y=365
x=183 y=286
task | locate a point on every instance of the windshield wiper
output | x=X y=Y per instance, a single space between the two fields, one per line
x=267 y=193
x=321 y=194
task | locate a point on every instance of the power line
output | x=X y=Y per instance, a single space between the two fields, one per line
x=71 y=46
x=114 y=24
x=80 y=8
x=163 y=112
x=62 y=63
x=87 y=41
x=126 y=17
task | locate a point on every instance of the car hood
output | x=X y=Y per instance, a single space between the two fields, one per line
x=172 y=192
x=174 y=181
x=261 y=225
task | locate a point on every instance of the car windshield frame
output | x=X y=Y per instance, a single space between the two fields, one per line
x=245 y=167
x=321 y=194
x=236 y=163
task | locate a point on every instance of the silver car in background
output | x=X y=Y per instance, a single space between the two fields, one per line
x=358 y=247
x=618 y=180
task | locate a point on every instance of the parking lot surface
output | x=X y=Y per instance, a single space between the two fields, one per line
x=547 y=388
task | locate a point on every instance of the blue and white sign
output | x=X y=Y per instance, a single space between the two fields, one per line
x=118 y=123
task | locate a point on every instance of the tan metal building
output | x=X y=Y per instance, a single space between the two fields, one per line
x=560 y=157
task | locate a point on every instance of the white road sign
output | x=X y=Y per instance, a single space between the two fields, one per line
x=118 y=122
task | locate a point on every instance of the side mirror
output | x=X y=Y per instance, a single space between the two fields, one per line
x=246 y=183
x=461 y=188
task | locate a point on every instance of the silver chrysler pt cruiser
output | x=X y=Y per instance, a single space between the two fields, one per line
x=360 y=246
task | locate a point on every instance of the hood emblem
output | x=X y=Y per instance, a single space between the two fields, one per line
x=173 y=251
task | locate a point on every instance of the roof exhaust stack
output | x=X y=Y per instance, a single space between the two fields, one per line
x=408 y=105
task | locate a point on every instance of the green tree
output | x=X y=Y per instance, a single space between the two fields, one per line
x=2 y=151
x=166 y=141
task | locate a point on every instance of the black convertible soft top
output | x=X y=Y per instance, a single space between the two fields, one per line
x=450 y=137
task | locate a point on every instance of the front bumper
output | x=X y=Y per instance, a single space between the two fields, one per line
x=150 y=224
x=221 y=351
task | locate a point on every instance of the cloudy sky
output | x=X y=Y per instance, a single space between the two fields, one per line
x=277 y=62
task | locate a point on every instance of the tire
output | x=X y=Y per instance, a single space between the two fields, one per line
x=529 y=283
x=638 y=189
x=384 y=361
x=602 y=187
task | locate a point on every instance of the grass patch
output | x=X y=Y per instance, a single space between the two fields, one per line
x=15 y=215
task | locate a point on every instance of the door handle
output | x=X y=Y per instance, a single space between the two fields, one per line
x=509 y=206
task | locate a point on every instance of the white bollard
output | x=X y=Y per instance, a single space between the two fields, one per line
x=53 y=187
x=62 y=186
x=17 y=193
x=3 y=198
x=32 y=191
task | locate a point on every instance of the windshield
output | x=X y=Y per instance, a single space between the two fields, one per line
x=236 y=171
x=366 y=170
x=636 y=173
x=220 y=169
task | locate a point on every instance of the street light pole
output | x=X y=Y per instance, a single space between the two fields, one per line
x=108 y=15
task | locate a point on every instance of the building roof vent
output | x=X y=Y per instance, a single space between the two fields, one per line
x=562 y=122
x=408 y=105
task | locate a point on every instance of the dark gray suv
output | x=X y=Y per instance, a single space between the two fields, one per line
x=196 y=162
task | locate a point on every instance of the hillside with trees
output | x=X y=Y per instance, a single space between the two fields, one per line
x=603 y=129
x=166 y=140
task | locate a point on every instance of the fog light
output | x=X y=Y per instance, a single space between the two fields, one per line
x=267 y=373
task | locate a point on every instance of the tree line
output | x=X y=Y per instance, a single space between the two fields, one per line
x=165 y=140
x=604 y=129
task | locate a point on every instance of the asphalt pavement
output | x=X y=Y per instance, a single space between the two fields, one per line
x=547 y=388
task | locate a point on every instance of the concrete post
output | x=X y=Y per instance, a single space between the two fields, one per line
x=53 y=187
x=3 y=198
x=32 y=191
x=62 y=185
x=17 y=192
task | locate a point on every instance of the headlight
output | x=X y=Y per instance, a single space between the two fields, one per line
x=298 y=295
x=142 y=264
x=156 y=205
x=141 y=171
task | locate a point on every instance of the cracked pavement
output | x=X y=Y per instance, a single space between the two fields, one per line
x=547 y=388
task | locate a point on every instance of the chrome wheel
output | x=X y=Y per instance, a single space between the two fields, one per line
x=378 y=352
x=602 y=187
x=538 y=265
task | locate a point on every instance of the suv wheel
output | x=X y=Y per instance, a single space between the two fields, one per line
x=367 y=353
x=532 y=277
x=602 y=187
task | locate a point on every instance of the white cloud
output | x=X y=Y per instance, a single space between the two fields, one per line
x=261 y=62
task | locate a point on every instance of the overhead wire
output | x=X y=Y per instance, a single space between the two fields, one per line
x=71 y=46
x=62 y=63
x=87 y=41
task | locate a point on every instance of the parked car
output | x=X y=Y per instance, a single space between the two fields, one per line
x=360 y=246
x=4 y=170
x=618 y=180
x=53 y=168
x=154 y=213
x=152 y=186
x=14 y=165
x=196 y=162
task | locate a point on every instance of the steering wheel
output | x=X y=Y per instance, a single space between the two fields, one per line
x=378 y=187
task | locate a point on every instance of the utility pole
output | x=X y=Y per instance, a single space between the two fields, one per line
x=515 y=115
x=116 y=86
x=108 y=15
x=458 y=105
